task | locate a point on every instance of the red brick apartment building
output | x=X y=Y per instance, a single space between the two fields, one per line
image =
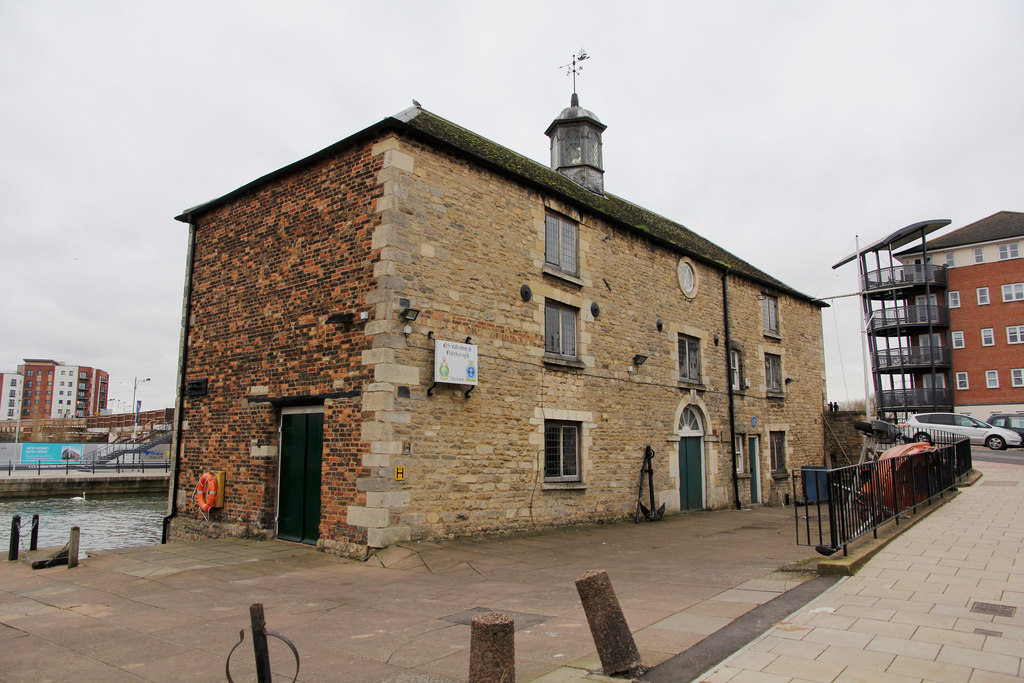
x=53 y=389
x=984 y=296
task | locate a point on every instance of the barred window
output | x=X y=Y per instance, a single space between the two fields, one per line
x=561 y=451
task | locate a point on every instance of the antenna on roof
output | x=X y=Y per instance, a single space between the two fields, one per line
x=574 y=66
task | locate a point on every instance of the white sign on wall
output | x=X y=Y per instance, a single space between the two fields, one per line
x=455 y=363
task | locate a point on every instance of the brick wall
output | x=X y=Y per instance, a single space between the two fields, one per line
x=397 y=224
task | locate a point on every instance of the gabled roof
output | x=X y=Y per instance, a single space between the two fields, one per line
x=999 y=226
x=434 y=130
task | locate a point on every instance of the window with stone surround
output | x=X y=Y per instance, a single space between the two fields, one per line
x=560 y=330
x=736 y=369
x=778 y=451
x=561 y=244
x=773 y=373
x=689 y=359
x=561 y=451
x=770 y=312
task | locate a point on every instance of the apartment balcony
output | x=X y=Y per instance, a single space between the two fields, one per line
x=916 y=400
x=902 y=320
x=891 y=282
x=914 y=358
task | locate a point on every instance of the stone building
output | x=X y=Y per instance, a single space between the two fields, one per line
x=330 y=306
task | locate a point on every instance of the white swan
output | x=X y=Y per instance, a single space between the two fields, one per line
x=79 y=498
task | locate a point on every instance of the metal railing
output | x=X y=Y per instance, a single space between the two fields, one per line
x=896 y=276
x=836 y=506
x=909 y=315
x=161 y=465
x=921 y=356
x=935 y=398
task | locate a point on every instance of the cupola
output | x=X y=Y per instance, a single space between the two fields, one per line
x=576 y=146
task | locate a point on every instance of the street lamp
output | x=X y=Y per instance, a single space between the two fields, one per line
x=135 y=407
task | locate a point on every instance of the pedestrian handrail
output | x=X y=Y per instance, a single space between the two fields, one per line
x=836 y=506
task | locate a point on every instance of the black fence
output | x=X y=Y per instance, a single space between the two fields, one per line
x=162 y=464
x=835 y=506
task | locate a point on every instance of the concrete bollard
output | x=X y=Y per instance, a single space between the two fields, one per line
x=73 y=547
x=612 y=637
x=492 y=649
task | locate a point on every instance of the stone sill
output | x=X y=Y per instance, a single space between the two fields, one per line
x=562 y=275
x=781 y=474
x=686 y=384
x=774 y=394
x=563 y=486
x=559 y=362
x=773 y=335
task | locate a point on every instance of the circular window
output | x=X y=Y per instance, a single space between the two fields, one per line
x=687 y=277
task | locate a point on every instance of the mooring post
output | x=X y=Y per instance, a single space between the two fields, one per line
x=12 y=553
x=259 y=642
x=73 y=547
x=33 y=542
x=492 y=648
x=39 y=467
x=612 y=637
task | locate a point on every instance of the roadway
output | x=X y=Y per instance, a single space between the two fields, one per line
x=1011 y=456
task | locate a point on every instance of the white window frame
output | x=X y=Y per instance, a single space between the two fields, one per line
x=991 y=379
x=568 y=469
x=962 y=381
x=1015 y=334
x=950 y=259
x=988 y=336
x=979 y=255
x=737 y=447
x=1013 y=291
x=953 y=299
x=1008 y=251
x=736 y=369
x=983 y=298
x=557 y=337
x=1017 y=377
x=958 y=339
x=561 y=244
x=689 y=347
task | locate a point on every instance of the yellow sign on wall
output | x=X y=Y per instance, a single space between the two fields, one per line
x=400 y=473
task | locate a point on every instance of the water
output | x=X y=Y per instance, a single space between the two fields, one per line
x=106 y=521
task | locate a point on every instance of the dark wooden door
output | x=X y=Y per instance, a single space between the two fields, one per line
x=298 y=501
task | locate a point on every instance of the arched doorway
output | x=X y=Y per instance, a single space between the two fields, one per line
x=691 y=459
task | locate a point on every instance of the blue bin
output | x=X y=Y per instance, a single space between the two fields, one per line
x=815 y=483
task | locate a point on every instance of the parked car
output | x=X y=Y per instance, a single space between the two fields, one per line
x=980 y=433
x=1012 y=421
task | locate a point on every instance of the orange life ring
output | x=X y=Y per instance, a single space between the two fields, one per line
x=206 y=492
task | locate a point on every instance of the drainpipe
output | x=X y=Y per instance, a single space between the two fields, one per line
x=728 y=383
x=182 y=356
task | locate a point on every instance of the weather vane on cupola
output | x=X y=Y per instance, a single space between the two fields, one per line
x=574 y=66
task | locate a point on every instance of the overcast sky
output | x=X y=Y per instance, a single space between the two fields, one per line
x=779 y=129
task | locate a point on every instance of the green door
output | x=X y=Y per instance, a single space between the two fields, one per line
x=691 y=487
x=753 y=453
x=298 y=498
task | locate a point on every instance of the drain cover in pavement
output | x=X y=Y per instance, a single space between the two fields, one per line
x=986 y=632
x=993 y=609
x=522 y=619
x=998 y=483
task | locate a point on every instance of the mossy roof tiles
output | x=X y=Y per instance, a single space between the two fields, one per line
x=432 y=129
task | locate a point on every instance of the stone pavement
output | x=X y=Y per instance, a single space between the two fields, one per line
x=944 y=601
x=173 y=612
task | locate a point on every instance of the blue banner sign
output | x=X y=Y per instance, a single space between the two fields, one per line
x=51 y=453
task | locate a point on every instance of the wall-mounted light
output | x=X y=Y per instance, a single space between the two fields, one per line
x=660 y=325
x=525 y=292
x=639 y=359
x=789 y=380
x=409 y=314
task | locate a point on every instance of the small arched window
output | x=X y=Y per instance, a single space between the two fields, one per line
x=689 y=421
